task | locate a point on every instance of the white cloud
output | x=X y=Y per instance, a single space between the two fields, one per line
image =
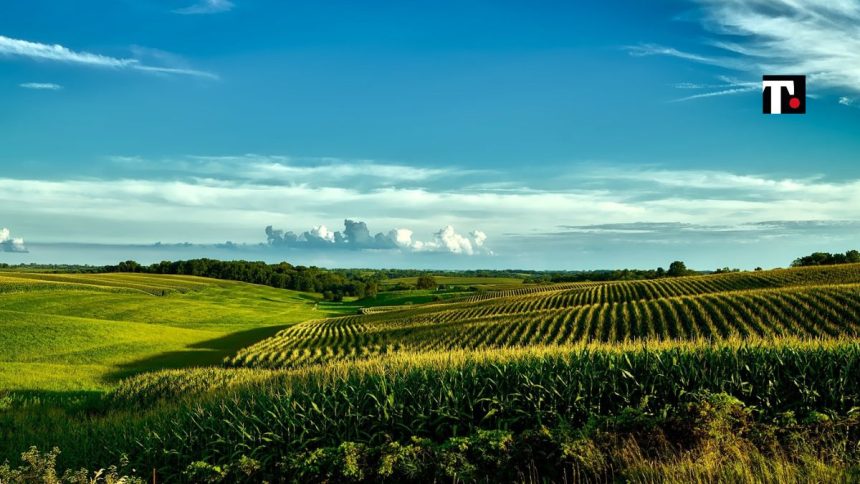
x=9 y=244
x=357 y=236
x=45 y=86
x=322 y=233
x=848 y=101
x=730 y=85
x=449 y=240
x=275 y=169
x=214 y=210
x=724 y=92
x=207 y=7
x=403 y=238
x=644 y=50
x=478 y=238
x=59 y=53
x=818 y=38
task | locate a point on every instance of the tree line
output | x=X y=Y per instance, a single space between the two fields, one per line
x=676 y=269
x=334 y=285
x=827 y=259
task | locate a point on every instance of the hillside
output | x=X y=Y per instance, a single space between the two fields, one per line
x=804 y=302
x=735 y=377
x=84 y=332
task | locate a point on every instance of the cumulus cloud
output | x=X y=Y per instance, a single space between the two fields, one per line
x=207 y=7
x=9 y=244
x=41 y=86
x=357 y=236
x=818 y=38
x=57 y=53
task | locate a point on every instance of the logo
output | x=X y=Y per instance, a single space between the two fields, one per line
x=783 y=94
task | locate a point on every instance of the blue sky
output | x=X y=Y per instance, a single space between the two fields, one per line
x=569 y=135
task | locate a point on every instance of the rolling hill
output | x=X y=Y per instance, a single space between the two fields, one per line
x=803 y=303
x=85 y=332
x=735 y=377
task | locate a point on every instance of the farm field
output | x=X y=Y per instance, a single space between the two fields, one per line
x=804 y=303
x=750 y=376
x=85 y=332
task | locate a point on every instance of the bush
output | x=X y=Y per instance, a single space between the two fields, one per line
x=426 y=282
x=41 y=468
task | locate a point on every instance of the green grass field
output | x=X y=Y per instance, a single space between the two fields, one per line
x=739 y=377
x=84 y=332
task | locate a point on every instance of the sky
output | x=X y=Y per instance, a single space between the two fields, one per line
x=448 y=134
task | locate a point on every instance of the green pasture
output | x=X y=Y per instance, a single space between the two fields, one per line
x=84 y=332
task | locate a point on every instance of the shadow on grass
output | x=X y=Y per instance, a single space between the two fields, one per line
x=205 y=353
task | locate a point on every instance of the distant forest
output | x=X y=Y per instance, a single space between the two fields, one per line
x=335 y=284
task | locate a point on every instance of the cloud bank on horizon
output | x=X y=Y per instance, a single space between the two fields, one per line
x=356 y=236
x=10 y=244
x=191 y=202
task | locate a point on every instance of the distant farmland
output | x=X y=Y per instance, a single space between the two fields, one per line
x=747 y=376
x=480 y=282
x=801 y=303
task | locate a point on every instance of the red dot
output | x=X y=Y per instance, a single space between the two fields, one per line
x=794 y=103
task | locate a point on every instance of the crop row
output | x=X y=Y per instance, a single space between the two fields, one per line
x=572 y=294
x=806 y=312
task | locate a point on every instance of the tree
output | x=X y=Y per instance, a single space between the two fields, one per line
x=677 y=269
x=128 y=266
x=426 y=282
x=826 y=258
x=372 y=289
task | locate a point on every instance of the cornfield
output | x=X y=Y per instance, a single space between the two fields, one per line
x=448 y=385
x=805 y=303
x=220 y=414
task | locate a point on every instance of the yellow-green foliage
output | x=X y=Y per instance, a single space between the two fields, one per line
x=736 y=377
x=804 y=303
x=172 y=419
x=84 y=331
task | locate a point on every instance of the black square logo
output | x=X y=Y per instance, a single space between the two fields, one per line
x=783 y=94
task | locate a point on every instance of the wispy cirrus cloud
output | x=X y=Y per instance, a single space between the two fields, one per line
x=10 y=47
x=819 y=38
x=207 y=7
x=41 y=86
x=645 y=50
x=279 y=169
